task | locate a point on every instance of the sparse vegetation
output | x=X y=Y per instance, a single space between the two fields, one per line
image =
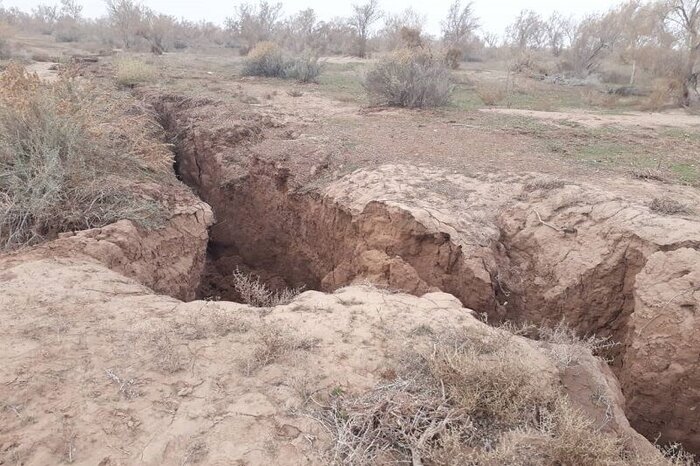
x=131 y=72
x=256 y=293
x=409 y=78
x=70 y=159
x=274 y=343
x=466 y=401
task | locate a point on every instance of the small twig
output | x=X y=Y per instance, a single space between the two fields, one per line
x=555 y=228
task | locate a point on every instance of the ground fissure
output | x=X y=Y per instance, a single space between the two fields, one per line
x=523 y=248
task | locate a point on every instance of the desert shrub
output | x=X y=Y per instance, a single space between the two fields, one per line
x=254 y=292
x=71 y=157
x=268 y=60
x=409 y=78
x=305 y=69
x=130 y=72
x=265 y=60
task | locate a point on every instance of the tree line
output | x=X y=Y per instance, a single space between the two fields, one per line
x=661 y=37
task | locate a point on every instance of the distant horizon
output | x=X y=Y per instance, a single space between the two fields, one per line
x=494 y=17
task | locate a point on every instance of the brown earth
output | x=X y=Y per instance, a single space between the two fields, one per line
x=524 y=247
x=103 y=370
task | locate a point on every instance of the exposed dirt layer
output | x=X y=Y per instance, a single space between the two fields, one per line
x=103 y=371
x=522 y=247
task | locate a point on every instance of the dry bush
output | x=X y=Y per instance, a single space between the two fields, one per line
x=131 y=72
x=256 y=293
x=561 y=435
x=664 y=92
x=487 y=381
x=72 y=157
x=275 y=342
x=490 y=93
x=466 y=401
x=567 y=347
x=667 y=205
x=265 y=60
x=396 y=423
x=409 y=78
x=305 y=69
x=268 y=60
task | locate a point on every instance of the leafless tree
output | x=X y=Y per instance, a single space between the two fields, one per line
x=46 y=16
x=255 y=23
x=490 y=39
x=71 y=9
x=459 y=23
x=299 y=30
x=527 y=31
x=403 y=29
x=126 y=18
x=685 y=16
x=364 y=16
x=556 y=32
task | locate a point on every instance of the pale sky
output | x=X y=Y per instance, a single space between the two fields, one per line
x=494 y=15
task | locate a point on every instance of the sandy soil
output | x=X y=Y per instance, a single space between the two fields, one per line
x=676 y=119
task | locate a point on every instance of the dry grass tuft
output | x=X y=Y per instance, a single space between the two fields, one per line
x=543 y=184
x=168 y=357
x=274 y=343
x=131 y=72
x=666 y=205
x=410 y=78
x=71 y=157
x=567 y=348
x=256 y=293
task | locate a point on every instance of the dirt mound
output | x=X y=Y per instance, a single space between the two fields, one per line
x=102 y=371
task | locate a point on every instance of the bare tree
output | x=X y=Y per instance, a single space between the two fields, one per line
x=299 y=30
x=593 y=39
x=685 y=16
x=46 y=16
x=556 y=32
x=403 y=29
x=255 y=23
x=364 y=16
x=490 y=39
x=528 y=31
x=459 y=23
x=71 y=9
x=126 y=18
